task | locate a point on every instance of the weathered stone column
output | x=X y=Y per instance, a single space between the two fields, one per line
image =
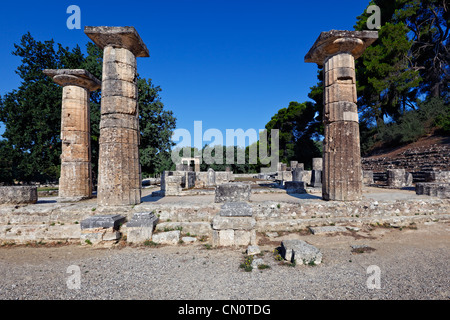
x=336 y=51
x=75 y=182
x=119 y=178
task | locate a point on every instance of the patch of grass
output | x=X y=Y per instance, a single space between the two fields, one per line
x=278 y=206
x=309 y=263
x=263 y=266
x=93 y=209
x=87 y=241
x=247 y=264
x=203 y=238
x=150 y=243
x=207 y=246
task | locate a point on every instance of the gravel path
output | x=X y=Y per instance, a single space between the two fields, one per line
x=413 y=264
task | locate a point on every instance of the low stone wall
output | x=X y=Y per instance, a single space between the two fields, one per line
x=61 y=221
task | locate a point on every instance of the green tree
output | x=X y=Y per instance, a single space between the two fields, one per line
x=32 y=114
x=156 y=126
x=297 y=124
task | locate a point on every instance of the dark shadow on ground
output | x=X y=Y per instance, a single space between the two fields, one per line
x=304 y=196
x=46 y=201
x=149 y=198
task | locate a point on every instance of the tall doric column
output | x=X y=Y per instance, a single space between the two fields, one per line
x=119 y=176
x=75 y=182
x=336 y=51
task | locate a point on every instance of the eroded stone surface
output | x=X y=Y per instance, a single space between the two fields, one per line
x=337 y=50
x=119 y=178
x=18 y=194
x=75 y=181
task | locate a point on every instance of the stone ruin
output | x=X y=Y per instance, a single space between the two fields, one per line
x=337 y=50
x=119 y=175
x=232 y=220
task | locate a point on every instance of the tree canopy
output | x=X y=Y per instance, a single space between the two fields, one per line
x=31 y=113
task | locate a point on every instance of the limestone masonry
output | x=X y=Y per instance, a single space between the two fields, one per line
x=119 y=178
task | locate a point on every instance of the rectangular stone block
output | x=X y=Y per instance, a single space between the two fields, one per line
x=295 y=186
x=242 y=237
x=235 y=223
x=236 y=209
x=340 y=92
x=139 y=234
x=119 y=88
x=114 y=70
x=119 y=55
x=18 y=194
x=339 y=75
x=117 y=104
x=103 y=221
x=340 y=111
x=232 y=192
x=343 y=60
x=169 y=237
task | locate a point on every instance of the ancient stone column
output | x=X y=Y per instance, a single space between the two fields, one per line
x=75 y=182
x=336 y=51
x=119 y=178
x=316 y=174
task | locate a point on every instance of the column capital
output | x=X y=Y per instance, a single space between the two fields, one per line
x=119 y=37
x=334 y=42
x=75 y=77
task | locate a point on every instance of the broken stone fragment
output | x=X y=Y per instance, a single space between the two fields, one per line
x=236 y=209
x=300 y=251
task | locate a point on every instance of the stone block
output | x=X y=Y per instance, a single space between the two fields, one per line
x=316 y=178
x=198 y=228
x=434 y=189
x=235 y=223
x=242 y=237
x=295 y=187
x=232 y=192
x=437 y=176
x=236 y=209
x=18 y=194
x=103 y=221
x=169 y=237
x=367 y=177
x=317 y=163
x=398 y=178
x=143 y=219
x=140 y=227
x=327 y=229
x=188 y=239
x=299 y=250
x=226 y=238
x=297 y=174
x=139 y=234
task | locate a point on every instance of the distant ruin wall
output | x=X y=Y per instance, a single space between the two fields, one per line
x=415 y=160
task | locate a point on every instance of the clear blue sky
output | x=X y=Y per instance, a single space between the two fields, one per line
x=231 y=64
